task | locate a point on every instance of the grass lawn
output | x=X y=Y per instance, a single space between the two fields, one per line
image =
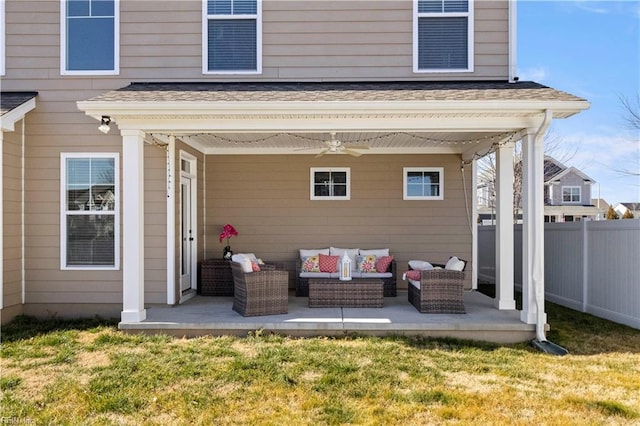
x=88 y=372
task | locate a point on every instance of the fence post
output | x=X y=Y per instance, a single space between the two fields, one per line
x=585 y=265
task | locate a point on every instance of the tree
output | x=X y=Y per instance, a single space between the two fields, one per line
x=632 y=118
x=487 y=168
x=611 y=214
x=627 y=215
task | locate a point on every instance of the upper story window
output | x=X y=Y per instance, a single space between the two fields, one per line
x=232 y=37
x=571 y=194
x=90 y=37
x=423 y=183
x=330 y=183
x=443 y=36
x=90 y=215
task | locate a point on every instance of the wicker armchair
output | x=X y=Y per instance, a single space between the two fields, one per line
x=441 y=292
x=260 y=293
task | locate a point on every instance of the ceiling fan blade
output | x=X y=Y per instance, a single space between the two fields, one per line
x=321 y=153
x=355 y=146
x=305 y=149
x=353 y=153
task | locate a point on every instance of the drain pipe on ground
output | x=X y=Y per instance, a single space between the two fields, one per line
x=541 y=343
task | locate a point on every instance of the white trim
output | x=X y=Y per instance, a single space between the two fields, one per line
x=133 y=269
x=513 y=40
x=470 y=38
x=171 y=221
x=474 y=224
x=64 y=156
x=406 y=196
x=579 y=188
x=205 y=40
x=63 y=43
x=192 y=176
x=3 y=58
x=9 y=120
x=314 y=170
x=504 y=298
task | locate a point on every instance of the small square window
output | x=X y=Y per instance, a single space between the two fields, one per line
x=571 y=194
x=330 y=184
x=423 y=183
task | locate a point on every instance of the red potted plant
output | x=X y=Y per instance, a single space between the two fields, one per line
x=228 y=231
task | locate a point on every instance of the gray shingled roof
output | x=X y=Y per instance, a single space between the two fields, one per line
x=11 y=100
x=335 y=91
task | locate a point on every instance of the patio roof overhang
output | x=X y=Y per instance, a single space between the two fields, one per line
x=277 y=118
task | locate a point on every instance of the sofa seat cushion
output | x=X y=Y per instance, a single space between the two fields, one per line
x=414 y=283
x=371 y=275
x=319 y=274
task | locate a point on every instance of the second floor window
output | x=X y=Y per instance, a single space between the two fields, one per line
x=89 y=37
x=232 y=36
x=443 y=32
x=571 y=194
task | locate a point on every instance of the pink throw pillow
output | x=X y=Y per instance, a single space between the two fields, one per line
x=413 y=275
x=383 y=263
x=328 y=263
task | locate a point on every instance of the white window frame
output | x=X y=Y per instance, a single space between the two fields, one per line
x=315 y=170
x=3 y=37
x=572 y=187
x=405 y=172
x=470 y=33
x=64 y=212
x=63 y=44
x=205 y=40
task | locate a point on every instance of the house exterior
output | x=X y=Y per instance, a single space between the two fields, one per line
x=212 y=112
x=623 y=208
x=567 y=195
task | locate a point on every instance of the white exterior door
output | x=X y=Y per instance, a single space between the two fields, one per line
x=187 y=275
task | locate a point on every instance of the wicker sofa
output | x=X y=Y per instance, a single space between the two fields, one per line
x=264 y=292
x=388 y=277
x=439 y=291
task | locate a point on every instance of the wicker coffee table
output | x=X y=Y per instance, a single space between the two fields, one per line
x=333 y=293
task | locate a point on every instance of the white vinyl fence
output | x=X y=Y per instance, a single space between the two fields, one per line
x=589 y=266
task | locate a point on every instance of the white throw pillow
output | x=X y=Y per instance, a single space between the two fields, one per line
x=420 y=265
x=312 y=252
x=352 y=253
x=454 y=264
x=375 y=252
x=244 y=261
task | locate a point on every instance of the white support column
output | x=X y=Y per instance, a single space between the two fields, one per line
x=133 y=226
x=504 y=228
x=171 y=221
x=533 y=227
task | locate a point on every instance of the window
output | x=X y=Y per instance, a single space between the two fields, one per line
x=330 y=183
x=90 y=219
x=423 y=183
x=90 y=37
x=571 y=194
x=443 y=36
x=232 y=37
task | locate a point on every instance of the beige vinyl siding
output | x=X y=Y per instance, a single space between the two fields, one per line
x=302 y=40
x=12 y=217
x=155 y=224
x=267 y=200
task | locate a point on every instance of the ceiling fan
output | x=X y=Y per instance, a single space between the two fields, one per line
x=335 y=146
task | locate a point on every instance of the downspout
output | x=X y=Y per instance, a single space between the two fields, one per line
x=538 y=273
x=513 y=48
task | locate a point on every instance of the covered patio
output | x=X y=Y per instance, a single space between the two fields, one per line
x=204 y=315
x=267 y=131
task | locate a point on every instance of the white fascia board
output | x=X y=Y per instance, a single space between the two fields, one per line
x=8 y=120
x=97 y=109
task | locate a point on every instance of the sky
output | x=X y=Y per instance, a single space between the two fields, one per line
x=590 y=49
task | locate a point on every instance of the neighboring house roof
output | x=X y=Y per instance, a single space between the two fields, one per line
x=601 y=203
x=632 y=206
x=337 y=91
x=555 y=170
x=13 y=107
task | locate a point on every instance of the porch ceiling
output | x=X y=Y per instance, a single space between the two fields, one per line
x=388 y=117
